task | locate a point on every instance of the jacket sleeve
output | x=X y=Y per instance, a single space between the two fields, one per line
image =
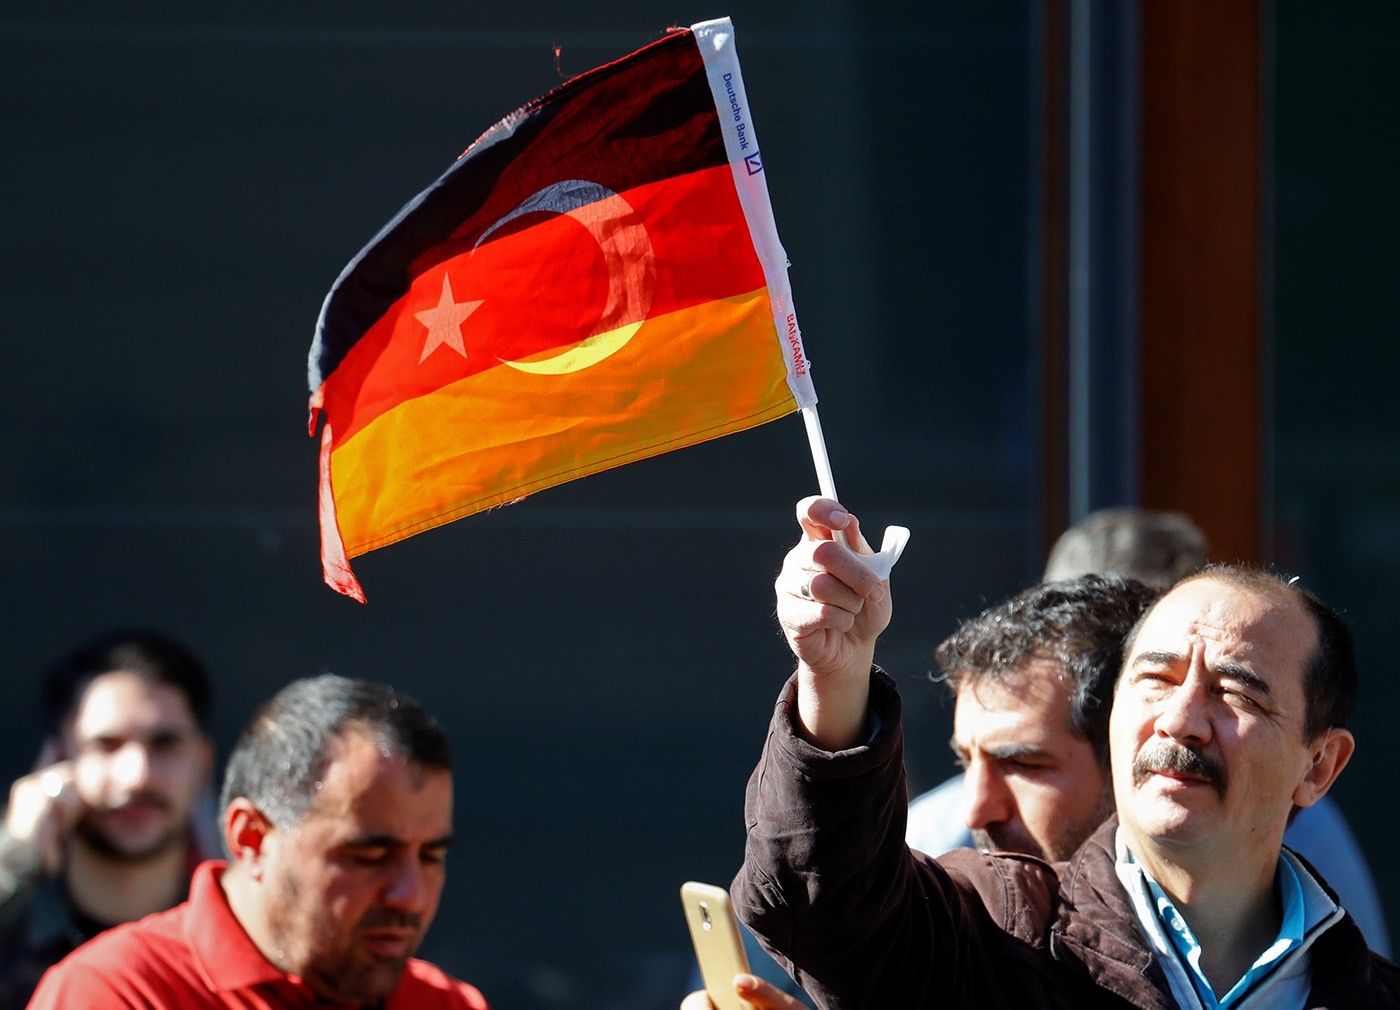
x=830 y=887
x=21 y=874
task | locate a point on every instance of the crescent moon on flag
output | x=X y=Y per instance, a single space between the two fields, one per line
x=630 y=260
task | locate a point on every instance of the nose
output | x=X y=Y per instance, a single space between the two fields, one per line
x=1183 y=713
x=986 y=798
x=408 y=887
x=132 y=767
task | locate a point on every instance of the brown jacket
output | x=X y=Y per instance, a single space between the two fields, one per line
x=864 y=922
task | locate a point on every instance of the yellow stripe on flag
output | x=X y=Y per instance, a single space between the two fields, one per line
x=469 y=446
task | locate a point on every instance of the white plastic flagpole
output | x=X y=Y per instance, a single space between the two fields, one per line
x=895 y=536
x=826 y=483
x=716 y=42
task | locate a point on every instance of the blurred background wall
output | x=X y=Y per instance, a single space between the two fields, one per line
x=1048 y=256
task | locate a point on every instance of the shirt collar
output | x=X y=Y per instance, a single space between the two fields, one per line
x=223 y=950
x=1188 y=948
x=1307 y=912
x=226 y=955
x=53 y=919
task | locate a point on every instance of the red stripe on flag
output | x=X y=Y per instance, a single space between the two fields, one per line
x=540 y=288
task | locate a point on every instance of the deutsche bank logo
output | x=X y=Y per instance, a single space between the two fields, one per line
x=753 y=163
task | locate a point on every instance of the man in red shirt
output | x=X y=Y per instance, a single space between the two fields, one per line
x=337 y=813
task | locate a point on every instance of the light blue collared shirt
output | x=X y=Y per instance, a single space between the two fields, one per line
x=1188 y=949
x=1280 y=977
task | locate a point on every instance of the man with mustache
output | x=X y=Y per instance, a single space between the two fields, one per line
x=1178 y=761
x=337 y=816
x=1038 y=806
x=105 y=831
x=1153 y=548
x=1031 y=680
x=1229 y=714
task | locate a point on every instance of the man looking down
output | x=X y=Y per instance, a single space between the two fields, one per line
x=337 y=815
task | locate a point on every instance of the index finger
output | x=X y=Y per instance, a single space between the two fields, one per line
x=826 y=519
x=821 y=517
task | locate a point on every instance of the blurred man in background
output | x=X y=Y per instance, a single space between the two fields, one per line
x=103 y=831
x=1156 y=548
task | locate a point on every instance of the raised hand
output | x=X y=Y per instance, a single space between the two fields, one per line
x=832 y=608
x=44 y=807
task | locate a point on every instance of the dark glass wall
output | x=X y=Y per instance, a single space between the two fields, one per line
x=182 y=183
x=1334 y=420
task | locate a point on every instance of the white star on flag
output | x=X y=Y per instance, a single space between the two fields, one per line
x=444 y=322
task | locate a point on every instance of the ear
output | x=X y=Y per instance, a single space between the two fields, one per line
x=1330 y=754
x=246 y=831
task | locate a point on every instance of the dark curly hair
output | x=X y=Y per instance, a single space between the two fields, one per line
x=1079 y=623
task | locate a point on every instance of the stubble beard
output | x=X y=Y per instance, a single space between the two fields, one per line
x=308 y=945
x=358 y=981
x=91 y=834
x=1067 y=842
x=998 y=840
x=1058 y=848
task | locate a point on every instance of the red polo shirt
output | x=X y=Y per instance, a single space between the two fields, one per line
x=197 y=955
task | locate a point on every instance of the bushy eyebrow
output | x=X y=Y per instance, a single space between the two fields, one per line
x=1006 y=752
x=1225 y=668
x=1246 y=676
x=392 y=842
x=1164 y=658
x=160 y=731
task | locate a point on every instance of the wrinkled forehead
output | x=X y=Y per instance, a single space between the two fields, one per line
x=1260 y=624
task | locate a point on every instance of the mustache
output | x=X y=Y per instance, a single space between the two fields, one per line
x=1000 y=841
x=391 y=918
x=143 y=798
x=1167 y=756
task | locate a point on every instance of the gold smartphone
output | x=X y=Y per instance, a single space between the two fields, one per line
x=719 y=946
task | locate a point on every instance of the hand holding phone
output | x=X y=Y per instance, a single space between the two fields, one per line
x=719 y=946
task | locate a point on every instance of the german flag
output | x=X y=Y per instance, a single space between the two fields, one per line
x=597 y=279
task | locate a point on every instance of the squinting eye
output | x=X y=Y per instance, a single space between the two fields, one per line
x=1027 y=767
x=1239 y=698
x=1153 y=680
x=369 y=857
